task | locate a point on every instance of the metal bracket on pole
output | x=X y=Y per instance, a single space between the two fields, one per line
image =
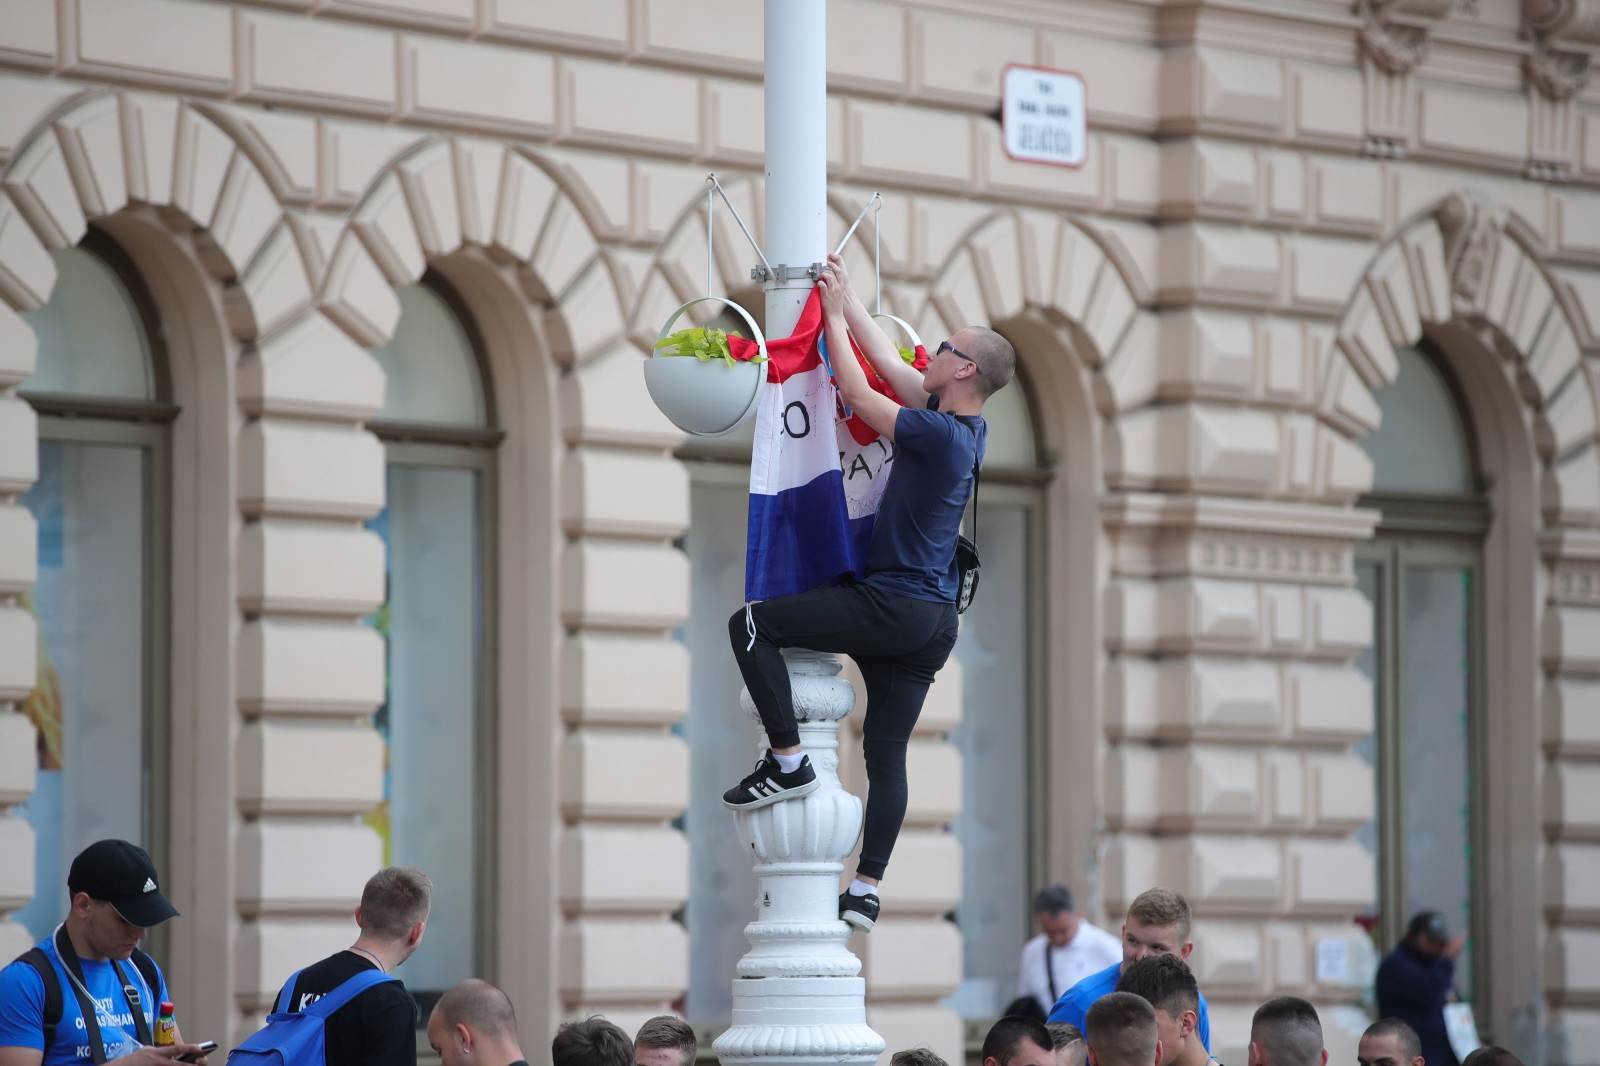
x=784 y=272
x=874 y=201
x=715 y=186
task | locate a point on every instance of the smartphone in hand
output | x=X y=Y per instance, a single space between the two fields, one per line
x=206 y=1048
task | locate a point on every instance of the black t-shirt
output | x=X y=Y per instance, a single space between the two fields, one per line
x=377 y=1028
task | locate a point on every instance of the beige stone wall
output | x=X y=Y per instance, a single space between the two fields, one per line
x=1275 y=198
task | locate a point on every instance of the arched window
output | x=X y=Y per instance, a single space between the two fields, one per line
x=438 y=622
x=100 y=502
x=1422 y=576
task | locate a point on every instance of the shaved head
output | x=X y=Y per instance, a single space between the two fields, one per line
x=479 y=1006
x=1389 y=1042
x=1289 y=1032
x=996 y=360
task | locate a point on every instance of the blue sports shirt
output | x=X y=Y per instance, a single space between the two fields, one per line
x=1074 y=1004
x=22 y=1009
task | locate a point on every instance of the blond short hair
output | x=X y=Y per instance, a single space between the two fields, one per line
x=395 y=899
x=1162 y=906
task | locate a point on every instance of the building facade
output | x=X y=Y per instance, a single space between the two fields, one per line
x=336 y=527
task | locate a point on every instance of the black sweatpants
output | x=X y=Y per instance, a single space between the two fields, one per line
x=898 y=642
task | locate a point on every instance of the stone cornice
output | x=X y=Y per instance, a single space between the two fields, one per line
x=1176 y=513
x=1574 y=544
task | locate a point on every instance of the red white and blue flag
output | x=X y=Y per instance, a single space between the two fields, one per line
x=817 y=474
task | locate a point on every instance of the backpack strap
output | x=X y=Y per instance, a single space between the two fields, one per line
x=348 y=990
x=977 y=475
x=130 y=991
x=151 y=973
x=36 y=958
x=86 y=1006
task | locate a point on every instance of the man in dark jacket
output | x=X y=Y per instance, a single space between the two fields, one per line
x=1417 y=979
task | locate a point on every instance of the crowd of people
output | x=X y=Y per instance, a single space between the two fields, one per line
x=88 y=993
x=1137 y=1002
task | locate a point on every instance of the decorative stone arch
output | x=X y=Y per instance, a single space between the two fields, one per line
x=202 y=220
x=1471 y=267
x=589 y=499
x=1467 y=274
x=1073 y=303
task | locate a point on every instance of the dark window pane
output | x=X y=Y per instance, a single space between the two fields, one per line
x=996 y=790
x=1371 y=662
x=430 y=722
x=1435 y=779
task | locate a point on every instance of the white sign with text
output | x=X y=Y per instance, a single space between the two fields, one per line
x=1044 y=114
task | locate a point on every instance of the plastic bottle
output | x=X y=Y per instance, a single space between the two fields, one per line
x=166 y=1026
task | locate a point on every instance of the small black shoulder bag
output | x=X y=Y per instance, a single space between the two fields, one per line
x=967 y=564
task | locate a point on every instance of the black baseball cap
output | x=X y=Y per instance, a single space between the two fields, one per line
x=122 y=875
x=1429 y=923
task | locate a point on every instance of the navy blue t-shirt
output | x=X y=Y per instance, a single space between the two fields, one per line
x=913 y=548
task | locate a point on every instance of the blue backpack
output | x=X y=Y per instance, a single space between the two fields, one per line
x=298 y=1039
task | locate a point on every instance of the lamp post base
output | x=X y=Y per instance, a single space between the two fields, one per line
x=799 y=997
x=798 y=1020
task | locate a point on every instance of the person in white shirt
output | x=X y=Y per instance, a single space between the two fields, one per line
x=1066 y=951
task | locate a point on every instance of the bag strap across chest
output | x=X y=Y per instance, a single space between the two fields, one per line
x=37 y=958
x=977 y=474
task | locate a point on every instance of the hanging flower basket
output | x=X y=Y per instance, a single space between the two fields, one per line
x=917 y=350
x=701 y=387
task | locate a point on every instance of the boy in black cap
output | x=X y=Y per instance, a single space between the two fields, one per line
x=87 y=991
x=1417 y=979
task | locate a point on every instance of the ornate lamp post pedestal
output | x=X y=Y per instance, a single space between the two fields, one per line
x=799 y=996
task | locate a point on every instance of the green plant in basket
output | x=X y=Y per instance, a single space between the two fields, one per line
x=705 y=343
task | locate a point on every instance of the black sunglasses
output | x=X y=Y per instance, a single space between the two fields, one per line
x=948 y=347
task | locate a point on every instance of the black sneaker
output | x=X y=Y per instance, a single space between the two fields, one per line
x=859 y=911
x=769 y=784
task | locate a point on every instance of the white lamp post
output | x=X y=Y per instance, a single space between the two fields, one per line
x=798 y=996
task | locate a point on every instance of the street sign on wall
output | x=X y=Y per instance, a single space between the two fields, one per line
x=1044 y=115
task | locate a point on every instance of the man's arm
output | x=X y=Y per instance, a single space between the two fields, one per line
x=21 y=1016
x=869 y=405
x=145 y=1056
x=904 y=379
